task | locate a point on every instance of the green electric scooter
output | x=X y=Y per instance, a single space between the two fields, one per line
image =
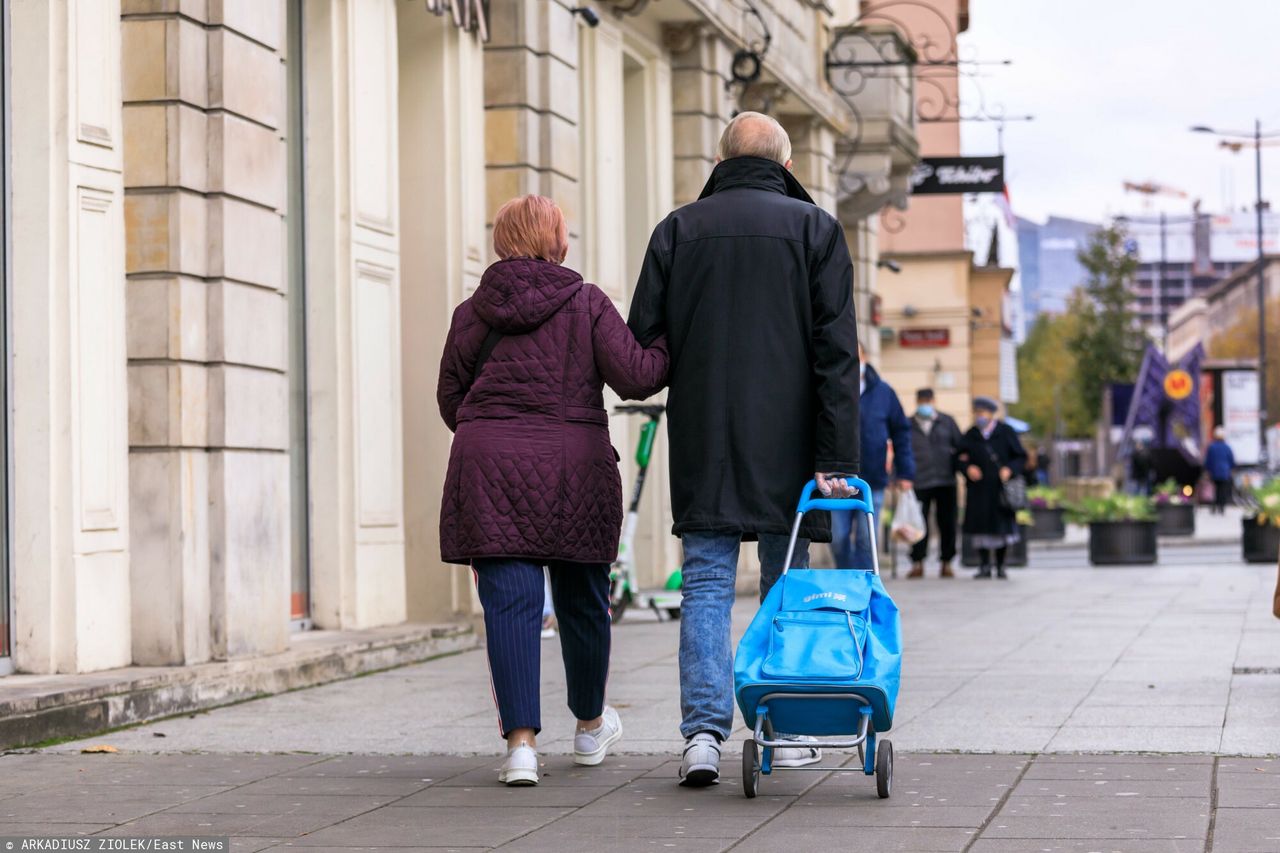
x=623 y=590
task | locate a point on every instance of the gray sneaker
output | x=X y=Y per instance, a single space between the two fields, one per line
x=589 y=748
x=701 y=764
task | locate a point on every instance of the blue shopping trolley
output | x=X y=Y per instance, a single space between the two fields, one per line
x=822 y=659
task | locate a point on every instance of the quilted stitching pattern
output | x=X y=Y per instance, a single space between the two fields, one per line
x=532 y=472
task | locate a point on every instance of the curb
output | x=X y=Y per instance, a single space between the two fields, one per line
x=97 y=702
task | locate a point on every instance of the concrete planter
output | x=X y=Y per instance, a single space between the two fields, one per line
x=1015 y=559
x=1176 y=519
x=1261 y=542
x=1122 y=543
x=1047 y=524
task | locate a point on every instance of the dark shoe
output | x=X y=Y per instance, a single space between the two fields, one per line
x=945 y=571
x=1000 y=574
x=917 y=570
x=984 y=573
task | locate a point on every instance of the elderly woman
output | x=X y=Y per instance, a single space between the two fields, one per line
x=990 y=454
x=533 y=480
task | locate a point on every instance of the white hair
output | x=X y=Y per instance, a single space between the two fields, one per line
x=755 y=135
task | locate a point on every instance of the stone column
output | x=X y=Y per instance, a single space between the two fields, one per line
x=701 y=105
x=442 y=207
x=70 y=463
x=353 y=312
x=207 y=339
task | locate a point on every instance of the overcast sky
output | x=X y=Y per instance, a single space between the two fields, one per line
x=1113 y=86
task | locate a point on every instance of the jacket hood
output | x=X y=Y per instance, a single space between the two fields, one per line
x=519 y=295
x=755 y=173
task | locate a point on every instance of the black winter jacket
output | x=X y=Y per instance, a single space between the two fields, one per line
x=753 y=286
x=935 y=452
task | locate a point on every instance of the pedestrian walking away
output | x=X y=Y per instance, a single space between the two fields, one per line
x=882 y=422
x=532 y=480
x=935 y=443
x=752 y=284
x=990 y=455
x=1219 y=464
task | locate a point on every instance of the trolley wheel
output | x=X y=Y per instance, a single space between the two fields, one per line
x=884 y=769
x=750 y=768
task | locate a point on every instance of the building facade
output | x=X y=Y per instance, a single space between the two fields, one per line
x=944 y=321
x=236 y=232
x=1048 y=263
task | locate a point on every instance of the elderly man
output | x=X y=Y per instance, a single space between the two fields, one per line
x=752 y=285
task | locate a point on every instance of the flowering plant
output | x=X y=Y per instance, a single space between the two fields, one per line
x=1171 y=492
x=1265 y=501
x=1044 y=497
x=1118 y=507
x=1023 y=517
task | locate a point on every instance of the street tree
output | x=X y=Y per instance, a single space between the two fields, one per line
x=1048 y=387
x=1107 y=342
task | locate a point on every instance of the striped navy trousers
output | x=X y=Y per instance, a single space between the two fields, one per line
x=512 y=594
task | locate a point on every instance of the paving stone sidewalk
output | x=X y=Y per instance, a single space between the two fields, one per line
x=941 y=802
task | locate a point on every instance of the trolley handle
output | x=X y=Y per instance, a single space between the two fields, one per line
x=808 y=503
x=862 y=503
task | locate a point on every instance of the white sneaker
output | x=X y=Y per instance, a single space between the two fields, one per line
x=796 y=756
x=589 y=748
x=701 y=764
x=521 y=766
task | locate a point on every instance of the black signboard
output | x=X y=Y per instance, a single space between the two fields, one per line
x=950 y=175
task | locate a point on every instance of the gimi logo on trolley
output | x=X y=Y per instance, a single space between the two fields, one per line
x=834 y=596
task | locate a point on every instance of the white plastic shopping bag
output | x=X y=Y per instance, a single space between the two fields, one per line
x=908 y=520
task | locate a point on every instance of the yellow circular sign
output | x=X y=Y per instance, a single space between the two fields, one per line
x=1178 y=384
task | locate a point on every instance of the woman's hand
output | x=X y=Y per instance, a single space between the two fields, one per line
x=1005 y=474
x=973 y=472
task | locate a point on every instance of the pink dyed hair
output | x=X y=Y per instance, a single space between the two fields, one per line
x=530 y=226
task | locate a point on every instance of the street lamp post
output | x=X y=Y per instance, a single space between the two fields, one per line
x=1255 y=139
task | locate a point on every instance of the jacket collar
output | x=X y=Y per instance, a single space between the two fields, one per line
x=872 y=379
x=754 y=173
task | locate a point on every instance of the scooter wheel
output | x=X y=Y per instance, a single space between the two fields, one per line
x=884 y=769
x=750 y=768
x=673 y=612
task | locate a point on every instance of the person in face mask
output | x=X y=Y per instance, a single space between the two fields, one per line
x=935 y=440
x=881 y=422
x=989 y=454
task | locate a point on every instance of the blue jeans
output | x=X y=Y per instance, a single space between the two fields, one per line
x=706 y=649
x=850 y=552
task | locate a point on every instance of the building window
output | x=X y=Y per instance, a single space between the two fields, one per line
x=299 y=495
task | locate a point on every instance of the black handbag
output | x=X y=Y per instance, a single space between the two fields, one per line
x=1014 y=492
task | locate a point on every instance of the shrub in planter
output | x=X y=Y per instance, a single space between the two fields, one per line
x=1175 y=512
x=1260 y=535
x=1046 y=516
x=1122 y=529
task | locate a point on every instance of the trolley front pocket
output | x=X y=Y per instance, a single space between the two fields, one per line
x=815 y=645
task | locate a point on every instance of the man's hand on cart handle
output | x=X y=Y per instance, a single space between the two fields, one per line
x=833 y=485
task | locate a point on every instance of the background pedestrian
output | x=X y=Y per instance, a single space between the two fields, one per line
x=991 y=455
x=881 y=423
x=935 y=443
x=1219 y=464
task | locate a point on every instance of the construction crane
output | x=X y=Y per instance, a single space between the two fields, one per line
x=1151 y=188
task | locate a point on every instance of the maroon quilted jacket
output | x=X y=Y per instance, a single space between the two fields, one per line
x=532 y=473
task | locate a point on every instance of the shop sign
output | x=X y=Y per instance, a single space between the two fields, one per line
x=1178 y=385
x=951 y=175
x=469 y=15
x=924 y=337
